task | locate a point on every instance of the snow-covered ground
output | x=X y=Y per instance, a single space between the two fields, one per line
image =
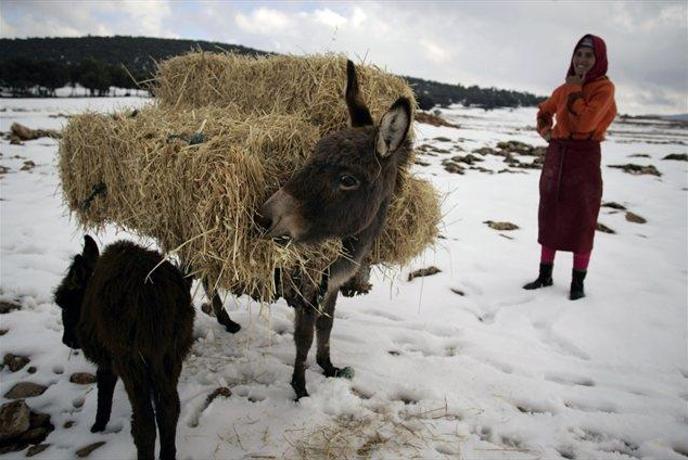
x=463 y=364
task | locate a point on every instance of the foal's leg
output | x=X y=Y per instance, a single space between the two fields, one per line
x=220 y=312
x=303 y=337
x=136 y=381
x=167 y=409
x=106 y=387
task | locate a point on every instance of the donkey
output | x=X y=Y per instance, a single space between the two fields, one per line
x=343 y=191
x=131 y=313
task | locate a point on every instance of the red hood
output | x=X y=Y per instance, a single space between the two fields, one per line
x=600 y=67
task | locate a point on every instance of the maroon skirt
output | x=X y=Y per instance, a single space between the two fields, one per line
x=570 y=195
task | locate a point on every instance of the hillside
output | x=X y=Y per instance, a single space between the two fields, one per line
x=38 y=66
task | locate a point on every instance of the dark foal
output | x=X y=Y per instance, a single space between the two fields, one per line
x=131 y=313
x=343 y=191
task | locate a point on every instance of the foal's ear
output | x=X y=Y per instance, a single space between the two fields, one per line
x=78 y=273
x=358 y=112
x=394 y=127
x=90 y=252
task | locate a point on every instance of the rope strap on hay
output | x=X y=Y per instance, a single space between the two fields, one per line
x=98 y=189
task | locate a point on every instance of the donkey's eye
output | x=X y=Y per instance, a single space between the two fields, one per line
x=347 y=182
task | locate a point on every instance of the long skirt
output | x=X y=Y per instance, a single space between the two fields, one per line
x=570 y=195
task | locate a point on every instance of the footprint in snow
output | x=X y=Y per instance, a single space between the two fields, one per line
x=382 y=314
x=607 y=409
x=570 y=380
x=558 y=343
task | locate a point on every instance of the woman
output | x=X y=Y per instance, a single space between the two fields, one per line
x=571 y=180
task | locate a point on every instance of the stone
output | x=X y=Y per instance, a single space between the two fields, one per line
x=637 y=170
x=423 y=272
x=35 y=435
x=86 y=451
x=603 y=228
x=501 y=226
x=37 y=449
x=635 y=218
x=225 y=392
x=27 y=166
x=38 y=419
x=25 y=390
x=434 y=120
x=613 y=205
x=454 y=168
x=6 y=307
x=82 y=378
x=676 y=156
x=520 y=148
x=15 y=419
x=15 y=362
x=485 y=151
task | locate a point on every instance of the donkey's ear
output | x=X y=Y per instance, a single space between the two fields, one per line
x=90 y=252
x=78 y=273
x=394 y=127
x=359 y=113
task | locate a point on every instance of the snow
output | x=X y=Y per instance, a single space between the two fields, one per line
x=496 y=373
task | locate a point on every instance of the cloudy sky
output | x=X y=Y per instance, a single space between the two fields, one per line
x=523 y=45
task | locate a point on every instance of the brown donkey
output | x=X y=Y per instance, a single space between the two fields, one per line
x=343 y=191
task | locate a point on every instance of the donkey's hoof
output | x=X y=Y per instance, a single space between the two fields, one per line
x=345 y=373
x=98 y=427
x=232 y=327
x=224 y=319
x=300 y=392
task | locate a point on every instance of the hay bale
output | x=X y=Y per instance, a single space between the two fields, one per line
x=412 y=223
x=201 y=198
x=312 y=86
x=228 y=131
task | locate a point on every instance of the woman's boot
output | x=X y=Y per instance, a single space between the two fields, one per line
x=577 y=278
x=544 y=278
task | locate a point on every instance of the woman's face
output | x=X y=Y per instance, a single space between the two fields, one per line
x=583 y=60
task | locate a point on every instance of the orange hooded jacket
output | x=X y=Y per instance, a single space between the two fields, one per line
x=581 y=112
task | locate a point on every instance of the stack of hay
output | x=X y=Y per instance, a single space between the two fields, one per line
x=225 y=133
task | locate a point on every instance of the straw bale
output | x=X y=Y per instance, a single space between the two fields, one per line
x=201 y=197
x=412 y=223
x=312 y=86
x=226 y=133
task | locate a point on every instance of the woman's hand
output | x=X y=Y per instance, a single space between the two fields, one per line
x=546 y=135
x=576 y=79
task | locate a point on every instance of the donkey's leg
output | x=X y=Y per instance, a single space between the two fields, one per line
x=220 y=312
x=167 y=409
x=323 y=326
x=136 y=381
x=106 y=388
x=303 y=337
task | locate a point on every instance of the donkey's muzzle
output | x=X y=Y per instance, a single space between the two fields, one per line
x=278 y=218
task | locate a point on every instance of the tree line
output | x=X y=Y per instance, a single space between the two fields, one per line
x=38 y=66
x=23 y=76
x=432 y=93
